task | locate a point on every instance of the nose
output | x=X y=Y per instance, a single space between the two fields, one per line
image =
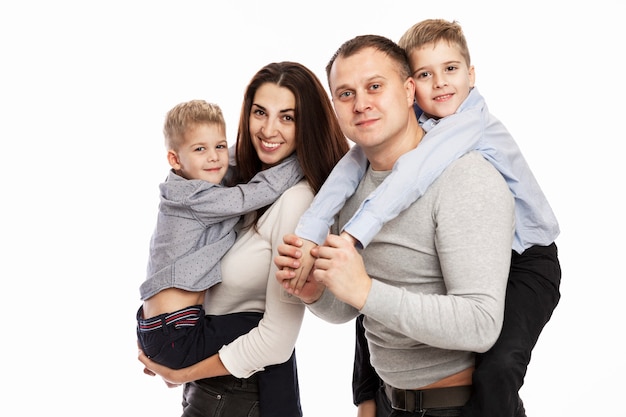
x=269 y=127
x=212 y=155
x=361 y=103
x=439 y=81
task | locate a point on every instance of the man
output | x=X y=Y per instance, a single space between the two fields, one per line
x=431 y=284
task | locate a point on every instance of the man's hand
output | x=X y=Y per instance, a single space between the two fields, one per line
x=340 y=268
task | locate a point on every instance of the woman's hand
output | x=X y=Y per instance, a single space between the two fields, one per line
x=294 y=279
x=306 y=265
x=207 y=368
x=288 y=259
x=171 y=377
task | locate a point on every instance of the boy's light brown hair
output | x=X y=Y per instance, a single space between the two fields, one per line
x=185 y=116
x=432 y=31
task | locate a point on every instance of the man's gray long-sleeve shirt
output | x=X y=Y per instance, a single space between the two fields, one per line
x=439 y=274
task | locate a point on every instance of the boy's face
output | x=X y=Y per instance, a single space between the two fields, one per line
x=442 y=78
x=372 y=100
x=203 y=154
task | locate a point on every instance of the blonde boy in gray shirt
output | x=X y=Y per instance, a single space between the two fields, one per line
x=196 y=226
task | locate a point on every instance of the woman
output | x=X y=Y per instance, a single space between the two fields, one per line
x=285 y=110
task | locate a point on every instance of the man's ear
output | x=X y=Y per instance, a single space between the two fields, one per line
x=409 y=86
x=172 y=158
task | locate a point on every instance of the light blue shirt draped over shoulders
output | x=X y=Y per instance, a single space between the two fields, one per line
x=472 y=127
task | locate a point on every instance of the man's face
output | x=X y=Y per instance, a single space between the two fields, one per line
x=442 y=78
x=372 y=99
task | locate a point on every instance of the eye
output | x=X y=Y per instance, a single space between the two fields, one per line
x=221 y=146
x=258 y=112
x=199 y=149
x=451 y=68
x=288 y=118
x=423 y=74
x=345 y=94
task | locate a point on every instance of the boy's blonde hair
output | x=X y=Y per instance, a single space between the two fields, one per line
x=432 y=31
x=185 y=116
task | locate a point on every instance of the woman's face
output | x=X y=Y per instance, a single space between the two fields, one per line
x=273 y=123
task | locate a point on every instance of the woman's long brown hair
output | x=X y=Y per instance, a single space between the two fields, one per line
x=320 y=142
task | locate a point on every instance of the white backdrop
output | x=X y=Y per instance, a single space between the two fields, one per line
x=84 y=87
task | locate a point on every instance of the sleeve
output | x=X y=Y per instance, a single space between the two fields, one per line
x=474 y=218
x=274 y=339
x=414 y=172
x=211 y=204
x=340 y=184
x=332 y=310
x=536 y=222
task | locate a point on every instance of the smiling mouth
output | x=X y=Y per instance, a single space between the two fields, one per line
x=443 y=97
x=270 y=144
x=366 y=122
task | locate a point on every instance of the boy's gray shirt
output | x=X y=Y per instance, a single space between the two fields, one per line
x=439 y=273
x=196 y=225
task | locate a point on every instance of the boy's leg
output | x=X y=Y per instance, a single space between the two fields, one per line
x=187 y=336
x=216 y=331
x=531 y=297
x=366 y=384
x=279 y=391
x=365 y=380
x=383 y=406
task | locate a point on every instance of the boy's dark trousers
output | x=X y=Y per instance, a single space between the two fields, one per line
x=176 y=348
x=531 y=297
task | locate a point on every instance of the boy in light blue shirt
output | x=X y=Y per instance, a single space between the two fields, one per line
x=456 y=121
